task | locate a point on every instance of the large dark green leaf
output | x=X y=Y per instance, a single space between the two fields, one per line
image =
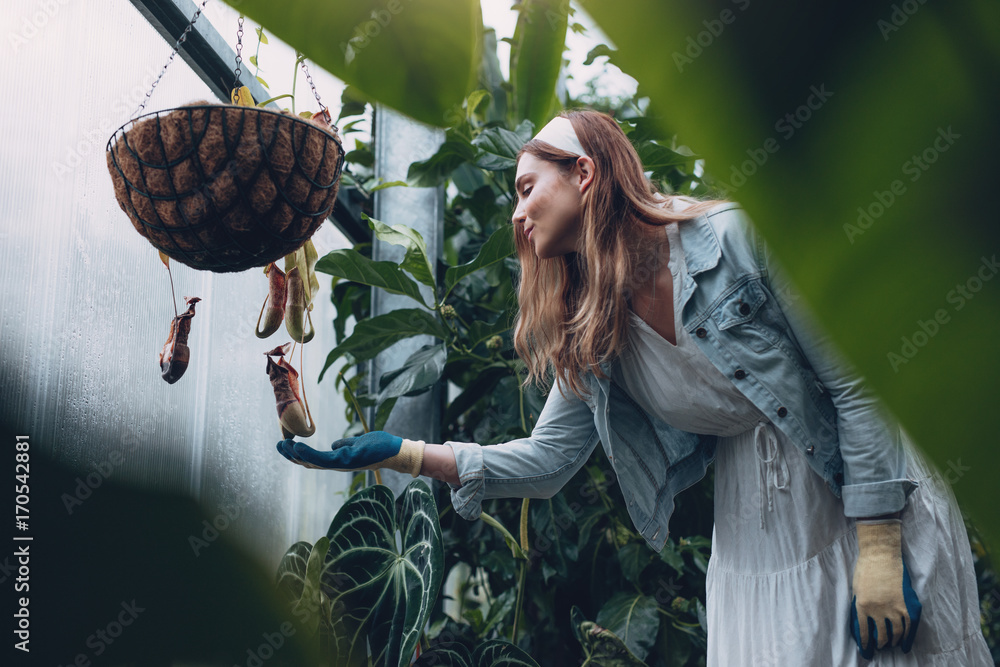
x=445 y=655
x=433 y=171
x=498 y=148
x=418 y=57
x=375 y=334
x=498 y=653
x=352 y=265
x=553 y=526
x=497 y=247
x=809 y=119
x=601 y=646
x=420 y=370
x=415 y=261
x=536 y=58
x=386 y=590
x=632 y=617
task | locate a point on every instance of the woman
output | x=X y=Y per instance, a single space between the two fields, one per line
x=670 y=334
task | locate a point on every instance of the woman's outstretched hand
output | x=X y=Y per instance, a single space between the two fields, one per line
x=885 y=611
x=370 y=451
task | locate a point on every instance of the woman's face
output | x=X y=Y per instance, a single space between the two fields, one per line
x=549 y=204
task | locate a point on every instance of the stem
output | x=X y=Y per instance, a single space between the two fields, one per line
x=361 y=416
x=295 y=75
x=514 y=547
x=172 y=295
x=524 y=525
x=520 y=600
x=278 y=97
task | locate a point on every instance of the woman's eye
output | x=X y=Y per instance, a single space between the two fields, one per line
x=526 y=191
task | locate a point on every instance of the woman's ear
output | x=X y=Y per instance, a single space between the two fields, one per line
x=583 y=173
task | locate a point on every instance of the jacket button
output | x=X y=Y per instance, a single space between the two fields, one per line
x=782 y=411
x=740 y=374
x=744 y=309
x=700 y=332
x=839 y=478
x=810 y=450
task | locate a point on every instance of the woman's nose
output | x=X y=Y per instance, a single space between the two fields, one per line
x=519 y=216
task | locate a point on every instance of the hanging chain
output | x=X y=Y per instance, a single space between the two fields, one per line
x=322 y=107
x=239 y=49
x=177 y=46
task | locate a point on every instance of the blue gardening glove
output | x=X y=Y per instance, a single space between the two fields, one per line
x=885 y=610
x=370 y=451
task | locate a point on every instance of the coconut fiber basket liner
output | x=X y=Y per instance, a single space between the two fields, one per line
x=225 y=188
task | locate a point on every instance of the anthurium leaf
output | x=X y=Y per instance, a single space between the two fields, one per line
x=445 y=655
x=415 y=261
x=497 y=653
x=498 y=149
x=536 y=58
x=420 y=58
x=499 y=246
x=352 y=265
x=375 y=334
x=633 y=618
x=299 y=582
x=387 y=591
x=421 y=370
x=601 y=646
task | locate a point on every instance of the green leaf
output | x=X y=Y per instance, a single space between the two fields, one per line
x=498 y=149
x=415 y=260
x=420 y=371
x=536 y=58
x=375 y=334
x=632 y=617
x=299 y=581
x=433 y=171
x=263 y=83
x=497 y=653
x=601 y=646
x=633 y=558
x=552 y=523
x=352 y=265
x=386 y=590
x=253 y=60
x=382 y=413
x=597 y=52
x=445 y=655
x=475 y=99
x=497 y=247
x=389 y=184
x=420 y=58
x=261 y=36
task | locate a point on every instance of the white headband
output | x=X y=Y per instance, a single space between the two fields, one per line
x=560 y=133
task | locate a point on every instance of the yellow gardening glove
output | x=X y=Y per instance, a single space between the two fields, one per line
x=885 y=610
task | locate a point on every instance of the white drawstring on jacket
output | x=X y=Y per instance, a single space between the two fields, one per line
x=773 y=472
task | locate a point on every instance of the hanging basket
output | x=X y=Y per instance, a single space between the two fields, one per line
x=222 y=187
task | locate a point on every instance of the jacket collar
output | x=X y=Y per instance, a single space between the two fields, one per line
x=700 y=242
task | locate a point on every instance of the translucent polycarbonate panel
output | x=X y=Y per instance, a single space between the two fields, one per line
x=86 y=303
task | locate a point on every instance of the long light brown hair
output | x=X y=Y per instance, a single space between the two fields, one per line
x=573 y=309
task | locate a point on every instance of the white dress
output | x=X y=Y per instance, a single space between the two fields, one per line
x=783 y=553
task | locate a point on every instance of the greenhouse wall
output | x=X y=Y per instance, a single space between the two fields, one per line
x=87 y=304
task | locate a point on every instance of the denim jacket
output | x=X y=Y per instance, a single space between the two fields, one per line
x=737 y=306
